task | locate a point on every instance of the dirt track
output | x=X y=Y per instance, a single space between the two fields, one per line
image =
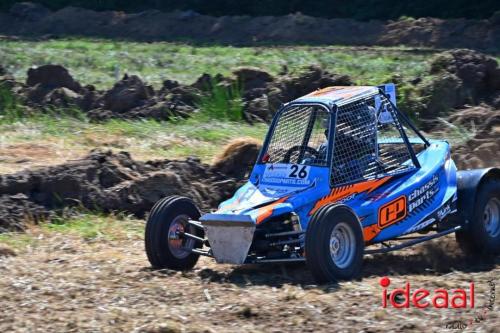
x=67 y=284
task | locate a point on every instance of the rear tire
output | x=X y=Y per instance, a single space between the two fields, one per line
x=164 y=246
x=482 y=235
x=334 y=244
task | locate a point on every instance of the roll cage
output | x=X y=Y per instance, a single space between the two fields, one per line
x=400 y=120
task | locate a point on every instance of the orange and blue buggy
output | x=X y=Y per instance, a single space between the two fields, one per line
x=342 y=173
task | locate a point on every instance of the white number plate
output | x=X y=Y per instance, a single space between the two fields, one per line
x=287 y=174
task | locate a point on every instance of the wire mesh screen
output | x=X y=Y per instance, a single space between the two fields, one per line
x=393 y=153
x=368 y=142
x=300 y=136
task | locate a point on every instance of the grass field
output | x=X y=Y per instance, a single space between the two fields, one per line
x=100 y=62
x=90 y=227
x=45 y=139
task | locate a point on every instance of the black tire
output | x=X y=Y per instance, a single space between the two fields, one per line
x=165 y=212
x=317 y=245
x=476 y=239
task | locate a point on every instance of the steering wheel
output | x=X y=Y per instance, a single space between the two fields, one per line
x=288 y=155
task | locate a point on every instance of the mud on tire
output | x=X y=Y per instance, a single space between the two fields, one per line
x=167 y=218
x=482 y=235
x=334 y=244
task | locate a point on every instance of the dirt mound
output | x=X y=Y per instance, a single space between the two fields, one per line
x=291 y=87
x=482 y=124
x=34 y=20
x=127 y=94
x=6 y=252
x=109 y=182
x=464 y=89
x=238 y=157
x=473 y=118
x=459 y=77
x=450 y=33
x=51 y=77
x=52 y=85
x=29 y=11
x=263 y=97
x=482 y=149
x=478 y=72
x=262 y=93
x=17 y=209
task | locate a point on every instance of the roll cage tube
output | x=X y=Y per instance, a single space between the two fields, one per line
x=402 y=131
x=406 y=120
x=327 y=107
x=332 y=110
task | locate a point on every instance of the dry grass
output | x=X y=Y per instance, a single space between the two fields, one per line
x=71 y=283
x=43 y=141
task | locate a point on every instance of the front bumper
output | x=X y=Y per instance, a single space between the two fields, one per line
x=229 y=236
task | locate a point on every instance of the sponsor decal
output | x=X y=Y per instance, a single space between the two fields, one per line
x=275 y=190
x=443 y=211
x=422 y=194
x=349 y=197
x=287 y=174
x=392 y=212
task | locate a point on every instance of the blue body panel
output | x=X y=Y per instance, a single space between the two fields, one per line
x=387 y=207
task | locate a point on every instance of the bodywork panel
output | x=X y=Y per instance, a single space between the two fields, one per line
x=417 y=197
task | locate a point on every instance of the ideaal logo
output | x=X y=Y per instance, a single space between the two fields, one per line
x=421 y=298
x=439 y=298
x=479 y=316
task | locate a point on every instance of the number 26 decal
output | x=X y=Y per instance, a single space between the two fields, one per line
x=298 y=172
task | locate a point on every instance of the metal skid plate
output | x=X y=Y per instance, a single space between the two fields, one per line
x=230 y=236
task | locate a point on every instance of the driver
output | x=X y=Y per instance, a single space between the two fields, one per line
x=322 y=148
x=355 y=144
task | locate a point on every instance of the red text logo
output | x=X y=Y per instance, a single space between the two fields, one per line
x=422 y=298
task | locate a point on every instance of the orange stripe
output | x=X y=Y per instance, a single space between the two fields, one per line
x=370 y=232
x=345 y=191
x=266 y=211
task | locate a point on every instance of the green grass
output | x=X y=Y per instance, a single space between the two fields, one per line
x=222 y=103
x=100 y=62
x=86 y=225
x=144 y=139
x=92 y=226
x=17 y=240
x=10 y=108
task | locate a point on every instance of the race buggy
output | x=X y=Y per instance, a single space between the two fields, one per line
x=342 y=173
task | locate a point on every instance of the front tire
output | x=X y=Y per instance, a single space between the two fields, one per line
x=165 y=246
x=482 y=235
x=334 y=244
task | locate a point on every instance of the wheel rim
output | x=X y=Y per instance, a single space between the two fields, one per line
x=177 y=243
x=342 y=245
x=491 y=217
